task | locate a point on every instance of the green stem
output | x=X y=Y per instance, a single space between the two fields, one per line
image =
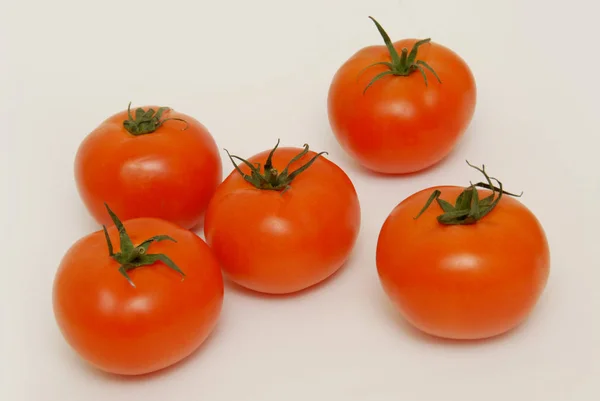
x=147 y=121
x=272 y=179
x=468 y=208
x=401 y=65
x=131 y=257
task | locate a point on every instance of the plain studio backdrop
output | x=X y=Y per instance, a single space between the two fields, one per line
x=253 y=71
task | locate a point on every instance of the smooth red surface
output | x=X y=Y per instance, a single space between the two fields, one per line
x=281 y=243
x=169 y=174
x=463 y=282
x=126 y=330
x=399 y=125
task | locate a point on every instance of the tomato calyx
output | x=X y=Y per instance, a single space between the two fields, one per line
x=130 y=256
x=468 y=208
x=147 y=121
x=272 y=179
x=401 y=65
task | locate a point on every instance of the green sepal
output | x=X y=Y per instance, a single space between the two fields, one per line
x=147 y=121
x=126 y=245
x=445 y=205
x=468 y=208
x=401 y=65
x=130 y=257
x=271 y=179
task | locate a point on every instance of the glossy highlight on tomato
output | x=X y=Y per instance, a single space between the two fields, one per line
x=149 y=162
x=283 y=229
x=401 y=108
x=463 y=276
x=147 y=307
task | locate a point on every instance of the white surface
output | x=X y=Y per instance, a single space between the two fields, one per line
x=253 y=71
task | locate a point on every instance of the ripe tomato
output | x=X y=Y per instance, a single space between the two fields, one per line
x=475 y=271
x=149 y=163
x=287 y=228
x=401 y=113
x=148 y=306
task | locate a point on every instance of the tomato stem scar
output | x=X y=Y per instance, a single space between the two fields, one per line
x=272 y=179
x=468 y=208
x=400 y=65
x=131 y=257
x=147 y=121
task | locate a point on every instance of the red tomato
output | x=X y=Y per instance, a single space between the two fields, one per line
x=146 y=307
x=286 y=228
x=457 y=272
x=398 y=112
x=149 y=163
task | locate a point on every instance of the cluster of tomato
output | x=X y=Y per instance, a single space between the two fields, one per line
x=288 y=218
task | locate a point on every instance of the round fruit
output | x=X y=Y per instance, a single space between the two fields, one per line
x=149 y=163
x=143 y=308
x=474 y=271
x=286 y=228
x=396 y=111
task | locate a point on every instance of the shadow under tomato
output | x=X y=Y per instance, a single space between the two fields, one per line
x=87 y=221
x=198 y=229
x=407 y=329
x=158 y=373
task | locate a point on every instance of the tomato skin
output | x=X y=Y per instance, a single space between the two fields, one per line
x=169 y=174
x=130 y=331
x=463 y=282
x=278 y=243
x=400 y=125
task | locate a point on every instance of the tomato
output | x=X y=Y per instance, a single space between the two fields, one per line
x=397 y=112
x=466 y=271
x=146 y=307
x=287 y=227
x=149 y=163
